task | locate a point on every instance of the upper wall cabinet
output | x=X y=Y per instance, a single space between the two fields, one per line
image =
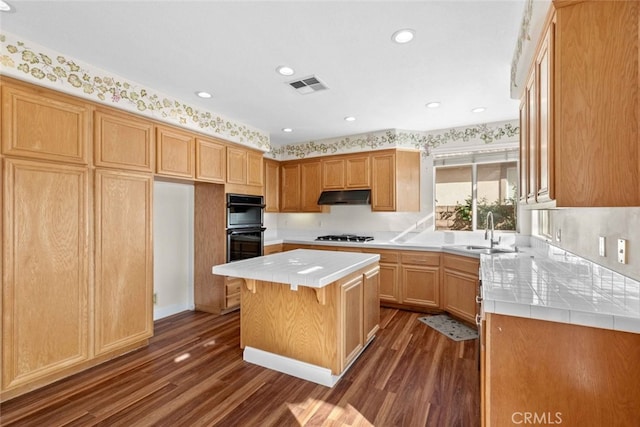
x=245 y=173
x=43 y=124
x=395 y=176
x=271 y=185
x=346 y=172
x=123 y=141
x=580 y=110
x=211 y=160
x=175 y=153
x=301 y=186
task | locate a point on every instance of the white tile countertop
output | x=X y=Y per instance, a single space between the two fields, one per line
x=555 y=285
x=300 y=267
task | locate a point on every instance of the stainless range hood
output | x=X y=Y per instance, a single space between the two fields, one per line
x=345 y=197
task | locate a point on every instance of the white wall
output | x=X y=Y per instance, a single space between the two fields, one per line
x=172 y=248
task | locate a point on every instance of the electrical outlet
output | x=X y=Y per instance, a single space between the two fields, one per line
x=602 y=246
x=558 y=235
x=155 y=298
x=622 y=251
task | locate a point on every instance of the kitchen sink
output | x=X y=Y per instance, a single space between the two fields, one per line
x=488 y=250
x=485 y=249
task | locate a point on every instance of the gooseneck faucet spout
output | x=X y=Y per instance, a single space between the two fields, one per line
x=486 y=230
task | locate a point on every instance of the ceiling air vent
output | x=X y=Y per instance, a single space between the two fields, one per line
x=308 y=85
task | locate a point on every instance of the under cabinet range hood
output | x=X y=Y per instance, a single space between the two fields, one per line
x=345 y=197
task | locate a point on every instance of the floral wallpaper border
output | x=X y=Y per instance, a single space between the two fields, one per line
x=394 y=138
x=28 y=61
x=522 y=37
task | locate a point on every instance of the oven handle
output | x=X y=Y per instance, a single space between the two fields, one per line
x=245 y=230
x=229 y=205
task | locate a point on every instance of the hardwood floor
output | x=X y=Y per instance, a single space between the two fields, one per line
x=192 y=373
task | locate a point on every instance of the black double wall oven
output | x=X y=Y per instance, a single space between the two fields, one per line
x=245 y=231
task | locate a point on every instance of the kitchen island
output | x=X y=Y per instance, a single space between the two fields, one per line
x=307 y=313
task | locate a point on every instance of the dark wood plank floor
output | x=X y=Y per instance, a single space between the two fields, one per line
x=192 y=373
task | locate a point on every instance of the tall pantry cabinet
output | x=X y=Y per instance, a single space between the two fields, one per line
x=76 y=250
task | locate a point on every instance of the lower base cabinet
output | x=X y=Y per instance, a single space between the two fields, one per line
x=558 y=374
x=460 y=286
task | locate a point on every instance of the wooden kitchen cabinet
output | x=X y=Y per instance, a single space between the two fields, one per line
x=123 y=259
x=584 y=114
x=175 y=153
x=45 y=284
x=43 y=124
x=310 y=186
x=346 y=172
x=211 y=160
x=290 y=190
x=210 y=247
x=123 y=141
x=460 y=286
x=371 y=298
x=389 y=275
x=271 y=185
x=420 y=284
x=572 y=375
x=352 y=313
x=301 y=186
x=245 y=168
x=395 y=181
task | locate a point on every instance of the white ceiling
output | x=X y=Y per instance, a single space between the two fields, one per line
x=460 y=56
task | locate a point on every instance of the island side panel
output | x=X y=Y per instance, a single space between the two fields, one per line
x=292 y=323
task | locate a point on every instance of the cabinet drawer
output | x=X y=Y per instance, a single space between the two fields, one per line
x=390 y=257
x=233 y=285
x=233 y=300
x=421 y=258
x=462 y=263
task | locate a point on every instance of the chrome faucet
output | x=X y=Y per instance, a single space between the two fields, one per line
x=486 y=230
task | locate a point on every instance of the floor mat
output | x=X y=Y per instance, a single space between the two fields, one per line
x=453 y=329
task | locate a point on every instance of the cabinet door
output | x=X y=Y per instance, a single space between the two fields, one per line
x=272 y=186
x=310 y=186
x=421 y=286
x=460 y=294
x=383 y=189
x=255 y=174
x=532 y=127
x=211 y=160
x=544 y=70
x=45 y=283
x=351 y=312
x=524 y=149
x=175 y=153
x=389 y=283
x=358 y=172
x=290 y=192
x=123 y=141
x=333 y=171
x=236 y=165
x=371 y=302
x=41 y=124
x=123 y=259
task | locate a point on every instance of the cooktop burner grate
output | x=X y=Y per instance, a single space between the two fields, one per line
x=345 y=238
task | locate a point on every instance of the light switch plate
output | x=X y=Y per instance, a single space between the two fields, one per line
x=622 y=251
x=602 y=246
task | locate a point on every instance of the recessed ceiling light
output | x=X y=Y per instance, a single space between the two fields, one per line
x=285 y=71
x=288 y=130
x=478 y=110
x=350 y=119
x=434 y=104
x=205 y=95
x=403 y=36
x=4 y=6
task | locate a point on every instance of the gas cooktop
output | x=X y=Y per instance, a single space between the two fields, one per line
x=345 y=238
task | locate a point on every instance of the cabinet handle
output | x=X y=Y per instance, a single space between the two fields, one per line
x=478 y=320
x=478 y=299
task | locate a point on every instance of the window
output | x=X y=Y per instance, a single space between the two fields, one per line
x=465 y=194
